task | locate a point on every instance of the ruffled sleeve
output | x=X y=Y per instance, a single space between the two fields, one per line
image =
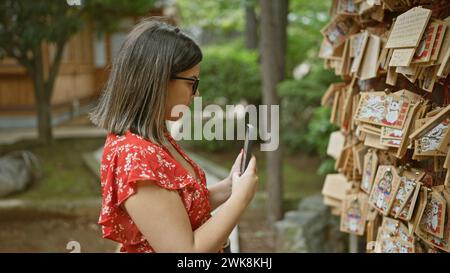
x=150 y=163
x=122 y=168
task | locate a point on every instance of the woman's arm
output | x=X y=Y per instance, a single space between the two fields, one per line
x=219 y=192
x=161 y=216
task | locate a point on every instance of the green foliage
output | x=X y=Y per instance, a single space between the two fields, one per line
x=300 y=100
x=305 y=124
x=219 y=16
x=25 y=24
x=306 y=18
x=65 y=175
x=105 y=13
x=232 y=72
x=327 y=166
x=229 y=73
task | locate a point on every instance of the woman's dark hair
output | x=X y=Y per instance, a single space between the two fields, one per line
x=136 y=92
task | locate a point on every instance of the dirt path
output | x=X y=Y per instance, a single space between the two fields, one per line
x=255 y=234
x=28 y=231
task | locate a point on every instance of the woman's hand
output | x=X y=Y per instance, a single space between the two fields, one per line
x=236 y=165
x=220 y=192
x=244 y=186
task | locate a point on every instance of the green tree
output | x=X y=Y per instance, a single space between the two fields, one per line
x=251 y=24
x=218 y=19
x=25 y=25
x=304 y=122
x=273 y=52
x=306 y=18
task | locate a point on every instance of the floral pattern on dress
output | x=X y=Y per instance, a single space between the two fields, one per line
x=130 y=158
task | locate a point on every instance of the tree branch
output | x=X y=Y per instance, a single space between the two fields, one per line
x=54 y=68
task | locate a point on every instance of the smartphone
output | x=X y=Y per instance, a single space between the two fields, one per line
x=247 y=153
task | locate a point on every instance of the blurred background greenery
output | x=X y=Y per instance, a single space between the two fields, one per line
x=230 y=70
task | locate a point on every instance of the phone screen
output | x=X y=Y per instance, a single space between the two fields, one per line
x=247 y=153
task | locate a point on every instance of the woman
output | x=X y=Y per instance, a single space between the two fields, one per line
x=155 y=198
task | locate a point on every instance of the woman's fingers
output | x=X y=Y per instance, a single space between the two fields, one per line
x=235 y=176
x=251 y=168
x=238 y=158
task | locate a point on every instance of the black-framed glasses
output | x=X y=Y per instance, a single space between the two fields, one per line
x=195 y=80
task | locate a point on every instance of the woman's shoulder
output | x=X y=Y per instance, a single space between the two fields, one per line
x=130 y=157
x=129 y=151
x=132 y=149
x=130 y=142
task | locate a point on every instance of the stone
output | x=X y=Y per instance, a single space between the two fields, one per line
x=310 y=228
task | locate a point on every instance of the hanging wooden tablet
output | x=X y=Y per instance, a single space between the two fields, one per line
x=441 y=30
x=409 y=126
x=358 y=47
x=393 y=237
x=354 y=214
x=391 y=77
x=443 y=242
x=432 y=220
x=346 y=60
x=369 y=170
x=359 y=151
x=441 y=115
x=408 y=182
x=384 y=189
x=395 y=228
x=335 y=109
x=429 y=78
x=335 y=144
x=402 y=56
x=445 y=142
x=418 y=210
x=428 y=144
x=409 y=28
x=391 y=137
x=335 y=186
x=347 y=7
x=423 y=52
x=381 y=109
x=368 y=68
x=338 y=30
x=406 y=213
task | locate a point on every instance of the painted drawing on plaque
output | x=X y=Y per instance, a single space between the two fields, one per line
x=369 y=170
x=406 y=188
x=354 y=214
x=433 y=218
x=383 y=190
x=383 y=110
x=393 y=237
x=429 y=143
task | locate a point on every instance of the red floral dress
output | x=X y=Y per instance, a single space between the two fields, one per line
x=130 y=158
